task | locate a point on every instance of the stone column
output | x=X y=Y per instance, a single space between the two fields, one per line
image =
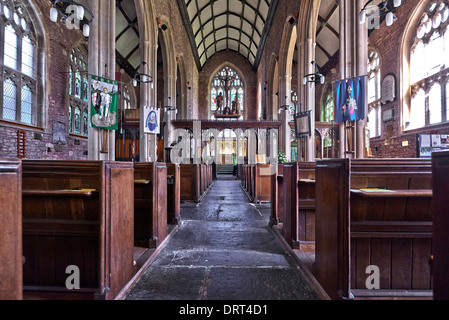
x=148 y=44
x=306 y=54
x=102 y=59
x=285 y=133
x=353 y=62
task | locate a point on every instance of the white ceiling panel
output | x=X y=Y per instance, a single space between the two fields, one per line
x=213 y=16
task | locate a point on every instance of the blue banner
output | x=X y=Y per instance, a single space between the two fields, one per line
x=350 y=99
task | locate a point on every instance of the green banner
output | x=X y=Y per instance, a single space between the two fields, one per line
x=104 y=103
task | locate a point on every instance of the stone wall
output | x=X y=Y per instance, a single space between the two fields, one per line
x=243 y=67
x=394 y=141
x=168 y=10
x=59 y=42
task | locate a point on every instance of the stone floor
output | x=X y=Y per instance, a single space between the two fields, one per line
x=223 y=250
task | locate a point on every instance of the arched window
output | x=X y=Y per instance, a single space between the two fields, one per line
x=126 y=98
x=327 y=109
x=429 y=70
x=293 y=105
x=228 y=80
x=78 y=84
x=18 y=47
x=374 y=95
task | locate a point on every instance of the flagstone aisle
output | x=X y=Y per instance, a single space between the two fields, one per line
x=223 y=250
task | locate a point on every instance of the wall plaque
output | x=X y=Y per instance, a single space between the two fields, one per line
x=388 y=89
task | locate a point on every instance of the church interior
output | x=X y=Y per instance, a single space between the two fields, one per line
x=224 y=150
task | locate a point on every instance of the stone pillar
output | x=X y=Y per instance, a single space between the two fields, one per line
x=102 y=59
x=148 y=44
x=306 y=54
x=170 y=100
x=148 y=142
x=353 y=62
x=285 y=133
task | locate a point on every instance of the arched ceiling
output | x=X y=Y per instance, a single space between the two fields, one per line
x=327 y=33
x=127 y=39
x=217 y=25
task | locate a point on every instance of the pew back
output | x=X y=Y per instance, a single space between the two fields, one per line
x=150 y=204
x=11 y=230
x=384 y=219
x=190 y=182
x=77 y=213
x=173 y=193
x=299 y=203
x=440 y=175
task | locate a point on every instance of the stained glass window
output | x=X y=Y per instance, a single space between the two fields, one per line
x=78 y=84
x=85 y=89
x=70 y=80
x=228 y=80
x=18 y=46
x=85 y=122
x=77 y=121
x=293 y=105
x=213 y=97
x=70 y=119
x=429 y=64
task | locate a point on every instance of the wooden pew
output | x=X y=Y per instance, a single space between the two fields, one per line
x=299 y=204
x=277 y=196
x=173 y=193
x=359 y=226
x=256 y=181
x=77 y=213
x=11 y=230
x=150 y=204
x=262 y=182
x=244 y=177
x=440 y=262
x=190 y=182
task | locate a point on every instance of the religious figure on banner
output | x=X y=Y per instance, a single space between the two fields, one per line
x=350 y=102
x=151 y=121
x=104 y=104
x=349 y=109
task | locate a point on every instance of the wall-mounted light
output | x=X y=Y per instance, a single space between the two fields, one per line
x=377 y=11
x=74 y=11
x=142 y=77
x=314 y=77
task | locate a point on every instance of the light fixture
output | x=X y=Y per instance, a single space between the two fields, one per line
x=72 y=8
x=317 y=77
x=377 y=11
x=142 y=77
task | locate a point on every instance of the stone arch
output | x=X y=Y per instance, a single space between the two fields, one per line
x=306 y=32
x=273 y=89
x=165 y=37
x=404 y=58
x=288 y=43
x=42 y=70
x=181 y=89
x=148 y=44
